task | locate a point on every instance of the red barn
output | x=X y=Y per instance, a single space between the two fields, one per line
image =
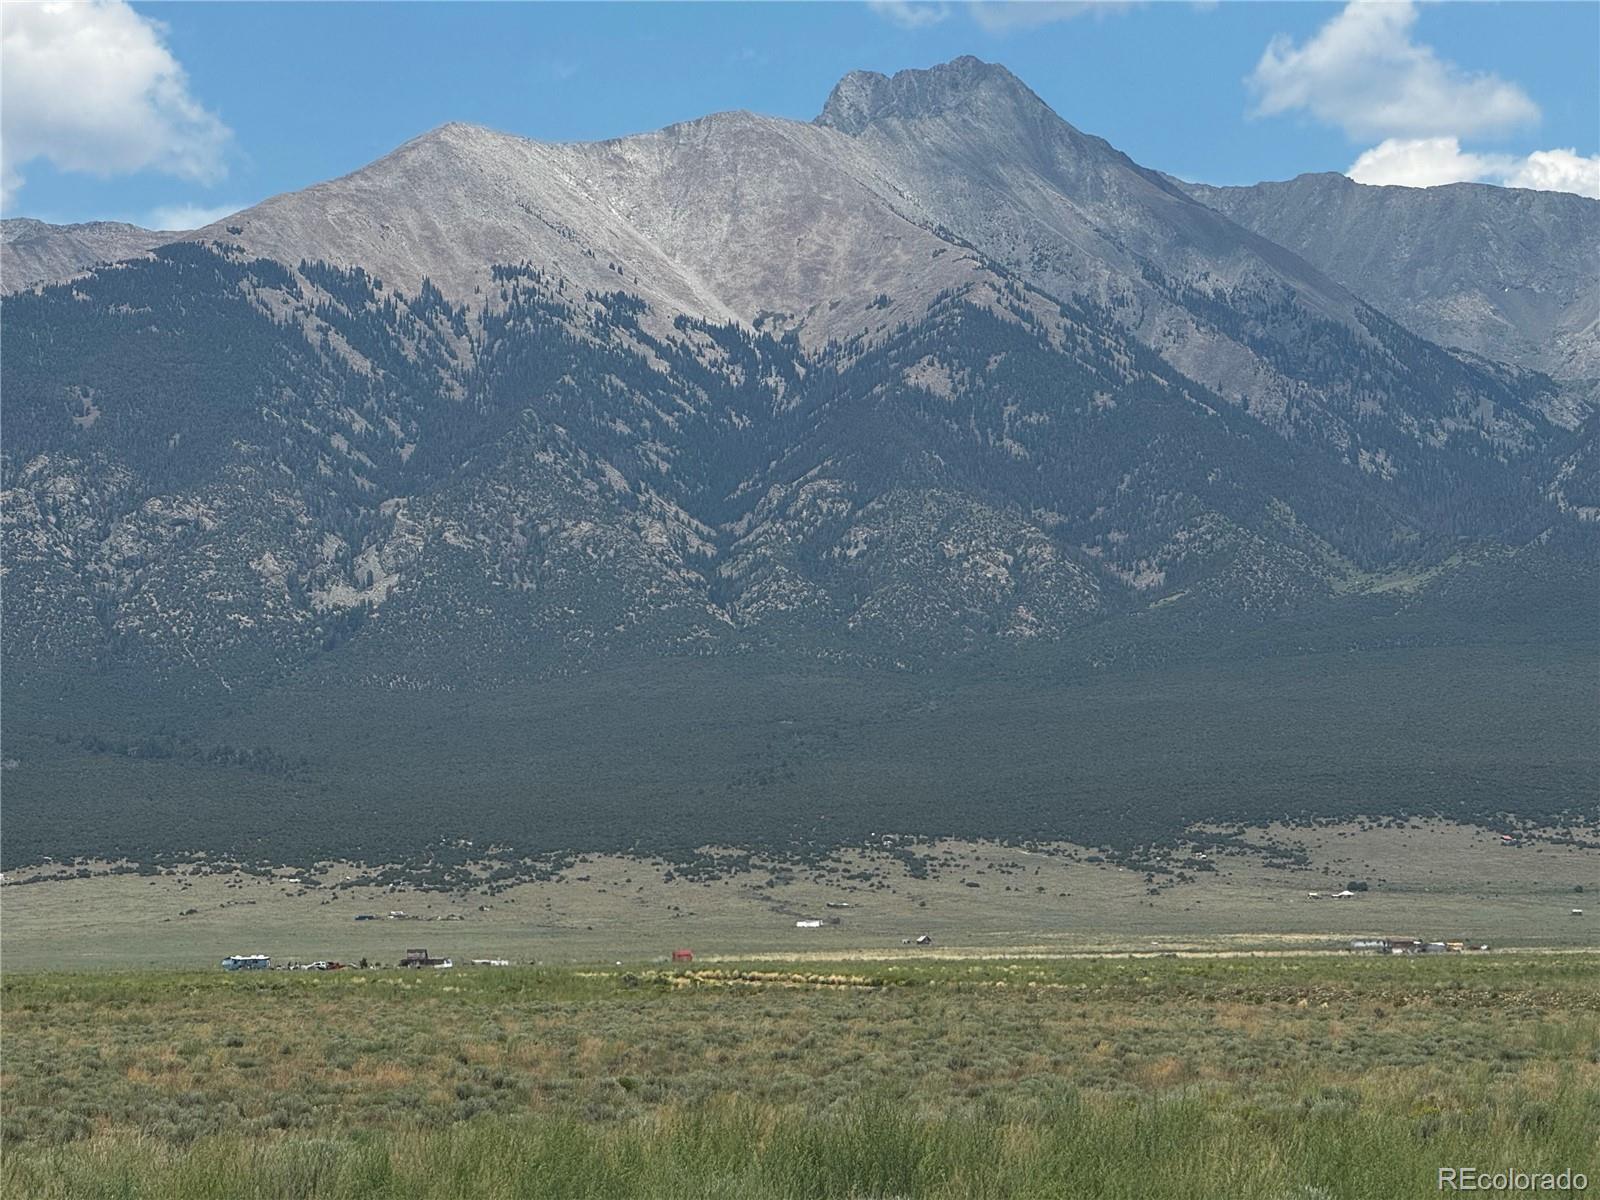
x=683 y=956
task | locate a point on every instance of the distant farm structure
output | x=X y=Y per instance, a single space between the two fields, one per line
x=1399 y=945
x=421 y=958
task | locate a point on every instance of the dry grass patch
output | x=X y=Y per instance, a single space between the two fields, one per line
x=792 y=1065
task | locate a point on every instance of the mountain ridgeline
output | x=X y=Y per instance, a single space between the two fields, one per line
x=931 y=397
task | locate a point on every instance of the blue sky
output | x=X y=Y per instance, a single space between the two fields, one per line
x=163 y=113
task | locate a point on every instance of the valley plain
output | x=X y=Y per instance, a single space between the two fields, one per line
x=1422 y=879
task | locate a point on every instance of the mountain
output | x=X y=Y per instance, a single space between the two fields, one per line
x=749 y=408
x=36 y=252
x=1506 y=273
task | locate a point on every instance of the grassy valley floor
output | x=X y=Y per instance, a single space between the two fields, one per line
x=1425 y=879
x=1283 y=1078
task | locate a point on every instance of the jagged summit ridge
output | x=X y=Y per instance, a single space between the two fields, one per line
x=864 y=97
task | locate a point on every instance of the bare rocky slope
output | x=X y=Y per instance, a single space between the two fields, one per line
x=37 y=252
x=1507 y=273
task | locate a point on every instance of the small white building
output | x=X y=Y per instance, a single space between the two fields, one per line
x=808 y=924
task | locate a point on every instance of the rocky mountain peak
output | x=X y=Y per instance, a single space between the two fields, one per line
x=862 y=98
x=14 y=229
x=32 y=251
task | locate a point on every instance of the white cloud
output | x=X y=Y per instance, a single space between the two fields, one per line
x=1429 y=162
x=1362 y=72
x=1418 y=162
x=92 y=88
x=910 y=14
x=1003 y=16
x=1558 y=171
x=188 y=216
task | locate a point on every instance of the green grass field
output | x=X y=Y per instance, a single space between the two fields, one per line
x=1294 y=1078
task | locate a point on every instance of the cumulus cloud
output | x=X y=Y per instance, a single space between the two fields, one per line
x=1002 y=16
x=1558 y=171
x=910 y=14
x=93 y=88
x=1362 y=72
x=1418 y=162
x=1429 y=162
x=179 y=217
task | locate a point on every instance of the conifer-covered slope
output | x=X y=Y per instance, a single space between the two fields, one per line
x=223 y=465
